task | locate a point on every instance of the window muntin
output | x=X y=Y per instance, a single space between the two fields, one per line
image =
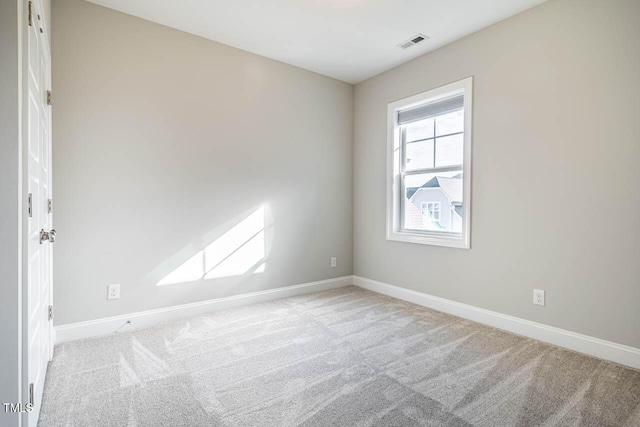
x=430 y=137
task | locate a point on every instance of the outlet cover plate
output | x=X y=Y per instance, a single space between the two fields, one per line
x=538 y=297
x=113 y=291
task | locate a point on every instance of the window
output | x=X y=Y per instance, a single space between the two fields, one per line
x=431 y=210
x=429 y=167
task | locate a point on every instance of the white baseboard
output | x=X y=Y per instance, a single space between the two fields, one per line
x=105 y=326
x=596 y=347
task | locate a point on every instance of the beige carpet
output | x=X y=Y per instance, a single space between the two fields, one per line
x=346 y=357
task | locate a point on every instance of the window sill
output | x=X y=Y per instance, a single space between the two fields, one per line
x=426 y=239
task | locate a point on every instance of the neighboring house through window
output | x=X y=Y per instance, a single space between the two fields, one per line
x=429 y=165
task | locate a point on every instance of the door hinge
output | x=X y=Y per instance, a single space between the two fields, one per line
x=30 y=205
x=30 y=14
x=50 y=313
x=49 y=206
x=48 y=97
x=31 y=399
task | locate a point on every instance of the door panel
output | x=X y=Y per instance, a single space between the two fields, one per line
x=38 y=290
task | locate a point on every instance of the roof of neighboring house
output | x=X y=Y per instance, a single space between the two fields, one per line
x=451 y=186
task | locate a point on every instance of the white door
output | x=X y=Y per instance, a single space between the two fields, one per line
x=39 y=224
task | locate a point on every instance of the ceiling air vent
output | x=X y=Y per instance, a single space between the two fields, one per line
x=413 y=41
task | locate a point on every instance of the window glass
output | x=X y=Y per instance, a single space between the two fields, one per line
x=421 y=129
x=419 y=155
x=449 y=123
x=424 y=199
x=449 y=150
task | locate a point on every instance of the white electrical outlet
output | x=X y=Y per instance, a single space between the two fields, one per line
x=334 y=262
x=113 y=291
x=538 y=297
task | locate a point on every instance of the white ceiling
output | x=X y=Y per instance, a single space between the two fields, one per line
x=350 y=40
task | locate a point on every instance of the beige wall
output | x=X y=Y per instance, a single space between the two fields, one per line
x=556 y=195
x=163 y=141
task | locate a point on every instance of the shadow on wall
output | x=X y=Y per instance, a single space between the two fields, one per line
x=241 y=250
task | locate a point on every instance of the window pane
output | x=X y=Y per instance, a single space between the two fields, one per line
x=449 y=150
x=433 y=202
x=422 y=129
x=450 y=123
x=419 y=155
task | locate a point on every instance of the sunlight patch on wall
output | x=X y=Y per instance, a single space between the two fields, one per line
x=239 y=251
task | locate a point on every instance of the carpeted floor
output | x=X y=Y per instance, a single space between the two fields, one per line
x=346 y=357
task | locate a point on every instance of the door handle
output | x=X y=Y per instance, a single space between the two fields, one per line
x=47 y=235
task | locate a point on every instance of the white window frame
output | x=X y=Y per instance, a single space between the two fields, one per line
x=394 y=191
